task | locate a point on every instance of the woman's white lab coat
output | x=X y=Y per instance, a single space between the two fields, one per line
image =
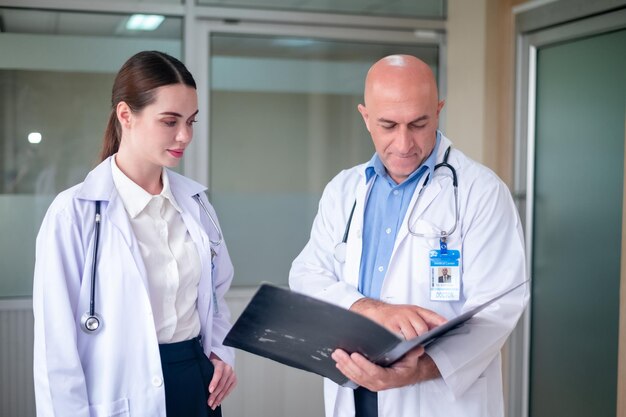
x=490 y=239
x=116 y=372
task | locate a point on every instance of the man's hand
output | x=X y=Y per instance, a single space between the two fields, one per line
x=406 y=320
x=222 y=383
x=414 y=367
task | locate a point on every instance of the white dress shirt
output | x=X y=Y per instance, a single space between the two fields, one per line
x=170 y=256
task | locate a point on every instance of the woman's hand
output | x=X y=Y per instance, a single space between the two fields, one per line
x=222 y=383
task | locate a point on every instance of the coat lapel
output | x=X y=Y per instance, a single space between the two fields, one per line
x=99 y=186
x=355 y=237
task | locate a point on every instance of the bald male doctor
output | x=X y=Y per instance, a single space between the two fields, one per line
x=403 y=204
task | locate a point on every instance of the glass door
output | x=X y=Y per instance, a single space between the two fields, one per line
x=278 y=121
x=575 y=182
x=282 y=122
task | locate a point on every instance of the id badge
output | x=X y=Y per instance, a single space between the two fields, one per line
x=445 y=275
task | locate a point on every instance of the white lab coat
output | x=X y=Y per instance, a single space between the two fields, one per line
x=116 y=372
x=490 y=239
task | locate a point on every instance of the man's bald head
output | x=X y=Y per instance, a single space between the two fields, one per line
x=400 y=71
x=401 y=112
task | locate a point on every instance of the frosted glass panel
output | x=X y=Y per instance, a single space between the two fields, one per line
x=399 y=8
x=284 y=121
x=56 y=82
x=581 y=90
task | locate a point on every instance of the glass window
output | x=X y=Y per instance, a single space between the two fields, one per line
x=426 y=9
x=283 y=122
x=56 y=73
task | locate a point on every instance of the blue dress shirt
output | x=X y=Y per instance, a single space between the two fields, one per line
x=385 y=209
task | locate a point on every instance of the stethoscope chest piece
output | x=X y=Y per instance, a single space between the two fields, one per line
x=90 y=323
x=340 y=252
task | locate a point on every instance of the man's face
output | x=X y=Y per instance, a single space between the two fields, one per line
x=402 y=120
x=444 y=271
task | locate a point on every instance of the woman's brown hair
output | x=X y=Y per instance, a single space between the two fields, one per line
x=135 y=84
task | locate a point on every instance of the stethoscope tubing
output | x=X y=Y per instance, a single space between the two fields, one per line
x=220 y=238
x=340 y=248
x=455 y=185
x=94 y=261
x=90 y=321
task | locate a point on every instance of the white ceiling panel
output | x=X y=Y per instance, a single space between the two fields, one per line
x=85 y=24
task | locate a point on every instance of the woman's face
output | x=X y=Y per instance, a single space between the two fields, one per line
x=159 y=134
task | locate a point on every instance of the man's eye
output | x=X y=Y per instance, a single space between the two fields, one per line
x=388 y=127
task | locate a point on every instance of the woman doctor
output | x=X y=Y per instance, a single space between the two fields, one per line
x=161 y=268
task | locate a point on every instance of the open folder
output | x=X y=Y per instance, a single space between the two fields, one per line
x=302 y=332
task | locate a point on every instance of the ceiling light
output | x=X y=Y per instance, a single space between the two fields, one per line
x=144 y=21
x=34 y=137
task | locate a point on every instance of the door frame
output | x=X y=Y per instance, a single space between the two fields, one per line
x=528 y=40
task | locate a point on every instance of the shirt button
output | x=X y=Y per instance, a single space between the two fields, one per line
x=157 y=381
x=388 y=230
x=396 y=192
x=381 y=269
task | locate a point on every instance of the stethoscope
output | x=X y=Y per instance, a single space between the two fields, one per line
x=91 y=322
x=341 y=247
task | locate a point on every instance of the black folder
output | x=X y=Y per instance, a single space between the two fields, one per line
x=302 y=332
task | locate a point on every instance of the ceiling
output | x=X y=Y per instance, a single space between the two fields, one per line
x=98 y=24
x=81 y=24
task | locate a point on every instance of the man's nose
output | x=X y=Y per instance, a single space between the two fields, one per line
x=404 y=141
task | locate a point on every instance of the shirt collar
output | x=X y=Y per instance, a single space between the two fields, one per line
x=375 y=165
x=135 y=198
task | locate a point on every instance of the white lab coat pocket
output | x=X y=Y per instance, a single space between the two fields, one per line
x=118 y=408
x=437 y=401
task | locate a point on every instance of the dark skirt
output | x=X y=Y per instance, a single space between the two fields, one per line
x=187 y=373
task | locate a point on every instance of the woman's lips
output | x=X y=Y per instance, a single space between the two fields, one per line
x=176 y=153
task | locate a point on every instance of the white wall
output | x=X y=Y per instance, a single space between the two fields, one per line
x=466 y=56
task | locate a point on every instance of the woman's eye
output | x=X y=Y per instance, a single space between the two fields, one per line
x=191 y=122
x=170 y=123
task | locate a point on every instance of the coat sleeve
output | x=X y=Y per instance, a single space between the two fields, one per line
x=315 y=271
x=493 y=261
x=60 y=388
x=222 y=277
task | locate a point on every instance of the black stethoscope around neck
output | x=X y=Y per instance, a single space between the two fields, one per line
x=341 y=247
x=90 y=321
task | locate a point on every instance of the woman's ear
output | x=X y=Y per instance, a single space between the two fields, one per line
x=124 y=114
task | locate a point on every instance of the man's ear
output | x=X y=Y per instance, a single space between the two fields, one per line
x=124 y=114
x=365 y=115
x=440 y=106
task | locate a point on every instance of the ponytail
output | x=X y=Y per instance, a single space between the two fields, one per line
x=111 y=141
